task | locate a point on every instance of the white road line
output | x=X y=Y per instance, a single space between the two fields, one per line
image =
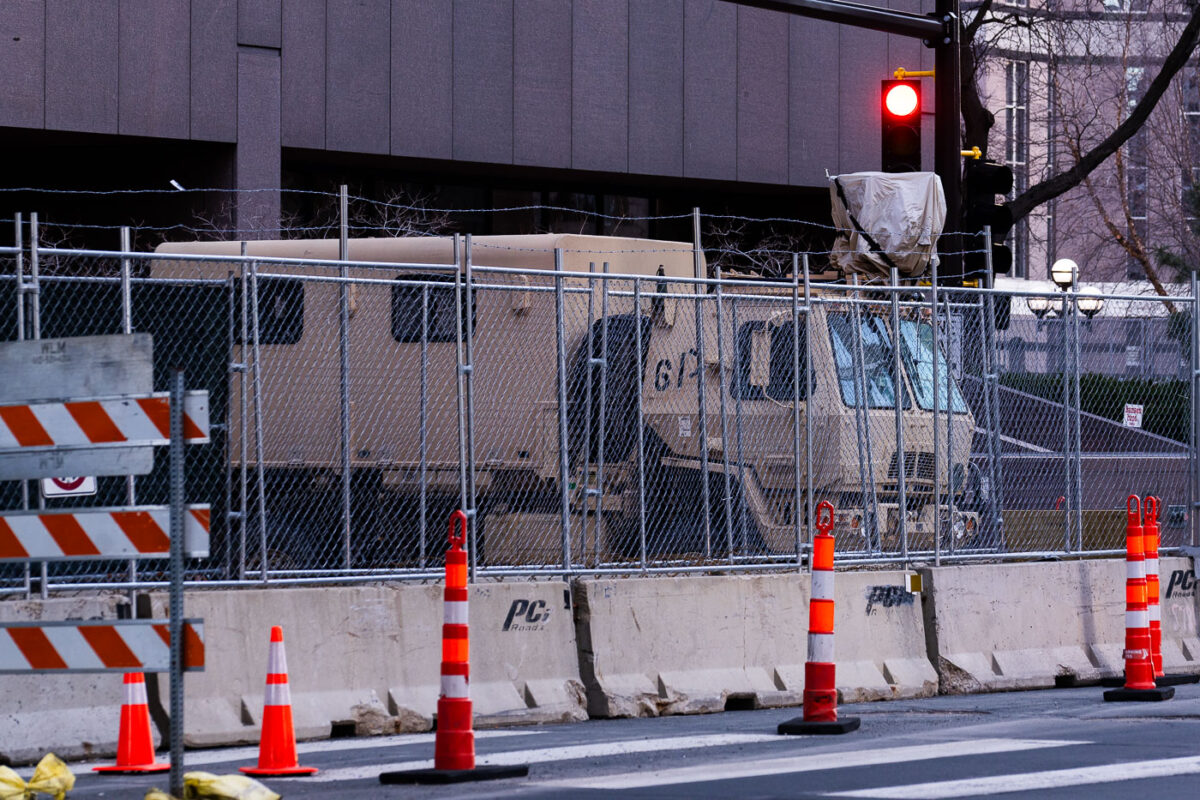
x=1035 y=781
x=809 y=763
x=565 y=753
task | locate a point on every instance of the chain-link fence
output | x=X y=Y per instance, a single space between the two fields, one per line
x=611 y=405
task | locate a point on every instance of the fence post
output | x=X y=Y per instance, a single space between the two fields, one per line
x=937 y=438
x=898 y=377
x=641 y=433
x=344 y=365
x=809 y=509
x=598 y=527
x=1068 y=492
x=991 y=390
x=18 y=241
x=34 y=288
x=258 y=421
x=563 y=455
x=459 y=395
x=244 y=408
x=1193 y=384
x=585 y=454
x=423 y=500
x=950 y=427
x=127 y=329
x=722 y=382
x=706 y=511
x=796 y=409
x=469 y=385
x=1076 y=440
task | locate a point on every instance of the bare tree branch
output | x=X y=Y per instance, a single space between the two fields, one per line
x=1064 y=181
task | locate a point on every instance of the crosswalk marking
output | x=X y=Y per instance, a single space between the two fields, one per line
x=565 y=753
x=1033 y=781
x=809 y=763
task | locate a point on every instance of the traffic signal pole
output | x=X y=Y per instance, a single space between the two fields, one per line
x=947 y=146
x=939 y=31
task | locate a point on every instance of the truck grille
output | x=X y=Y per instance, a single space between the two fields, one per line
x=918 y=465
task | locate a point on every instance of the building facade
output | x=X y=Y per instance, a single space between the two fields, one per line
x=651 y=105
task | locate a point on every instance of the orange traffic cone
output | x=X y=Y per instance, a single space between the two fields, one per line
x=277 y=745
x=135 y=744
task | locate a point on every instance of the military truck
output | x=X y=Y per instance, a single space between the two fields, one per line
x=745 y=361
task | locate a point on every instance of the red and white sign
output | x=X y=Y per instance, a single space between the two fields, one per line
x=136 y=532
x=78 y=486
x=1133 y=415
x=96 y=646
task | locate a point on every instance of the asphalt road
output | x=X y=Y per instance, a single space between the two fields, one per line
x=1058 y=744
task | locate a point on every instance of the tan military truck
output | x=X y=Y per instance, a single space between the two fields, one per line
x=745 y=361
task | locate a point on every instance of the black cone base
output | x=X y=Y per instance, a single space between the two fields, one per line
x=1139 y=695
x=482 y=773
x=798 y=727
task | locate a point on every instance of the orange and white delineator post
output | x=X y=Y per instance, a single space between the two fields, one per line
x=277 y=745
x=820 y=685
x=454 y=747
x=1150 y=547
x=1139 y=668
x=135 y=743
x=454 y=742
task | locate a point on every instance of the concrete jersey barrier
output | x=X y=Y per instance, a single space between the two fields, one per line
x=651 y=646
x=996 y=627
x=364 y=660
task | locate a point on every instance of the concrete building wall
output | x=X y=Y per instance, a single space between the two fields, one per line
x=676 y=89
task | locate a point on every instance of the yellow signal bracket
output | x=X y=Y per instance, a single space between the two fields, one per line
x=974 y=153
x=901 y=73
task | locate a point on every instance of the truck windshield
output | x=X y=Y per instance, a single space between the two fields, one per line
x=916 y=348
x=880 y=389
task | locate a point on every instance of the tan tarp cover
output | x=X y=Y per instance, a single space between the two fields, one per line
x=888 y=218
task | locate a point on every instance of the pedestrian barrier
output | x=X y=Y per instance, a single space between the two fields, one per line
x=1154 y=610
x=820 y=694
x=1150 y=536
x=277 y=745
x=454 y=745
x=135 y=743
x=1139 y=665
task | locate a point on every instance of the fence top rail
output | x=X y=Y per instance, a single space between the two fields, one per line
x=822 y=285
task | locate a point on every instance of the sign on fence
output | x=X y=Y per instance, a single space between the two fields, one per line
x=1133 y=415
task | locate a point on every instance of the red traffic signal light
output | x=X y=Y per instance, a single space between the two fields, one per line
x=900 y=128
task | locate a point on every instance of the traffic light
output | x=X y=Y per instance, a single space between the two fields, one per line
x=982 y=182
x=901 y=126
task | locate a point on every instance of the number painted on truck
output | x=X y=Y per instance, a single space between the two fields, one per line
x=665 y=369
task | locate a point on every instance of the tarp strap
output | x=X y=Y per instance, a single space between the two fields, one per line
x=874 y=245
